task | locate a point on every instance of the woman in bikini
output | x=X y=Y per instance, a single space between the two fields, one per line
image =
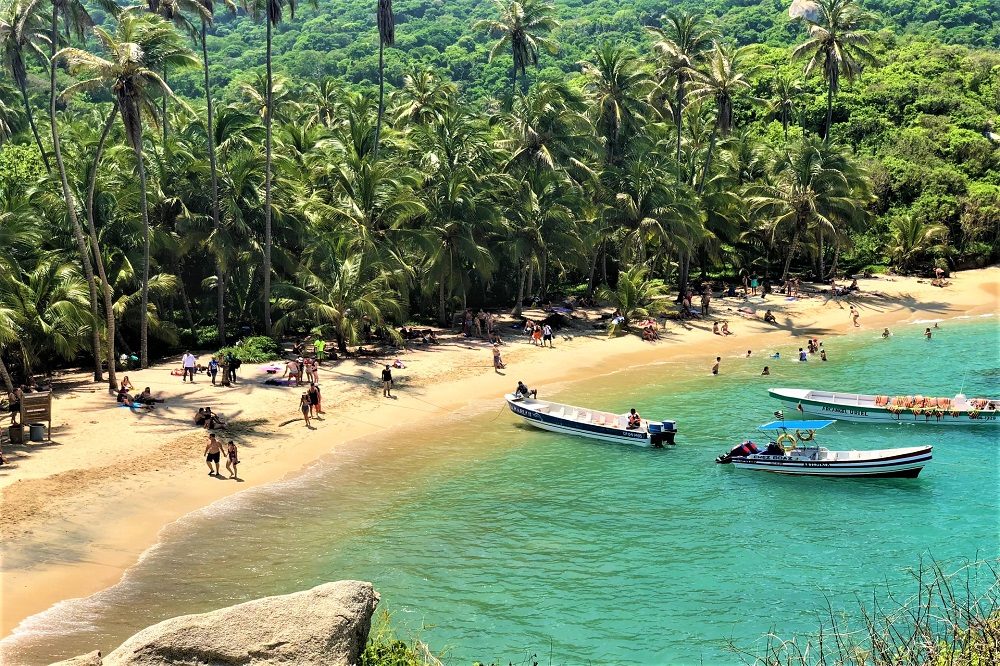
x=231 y=459
x=304 y=407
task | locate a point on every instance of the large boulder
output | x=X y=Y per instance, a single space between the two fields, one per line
x=91 y=659
x=328 y=624
x=808 y=10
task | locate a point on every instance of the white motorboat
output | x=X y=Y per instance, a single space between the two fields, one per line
x=860 y=407
x=796 y=454
x=591 y=423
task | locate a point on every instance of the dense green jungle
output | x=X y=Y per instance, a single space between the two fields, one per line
x=186 y=172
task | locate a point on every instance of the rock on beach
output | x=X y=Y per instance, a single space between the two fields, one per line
x=328 y=624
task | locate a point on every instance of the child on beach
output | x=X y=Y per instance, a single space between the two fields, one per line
x=715 y=366
x=855 y=316
x=498 y=364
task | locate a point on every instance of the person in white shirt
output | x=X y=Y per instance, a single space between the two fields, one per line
x=547 y=335
x=188 y=363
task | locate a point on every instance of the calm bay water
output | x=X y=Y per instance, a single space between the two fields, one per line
x=492 y=541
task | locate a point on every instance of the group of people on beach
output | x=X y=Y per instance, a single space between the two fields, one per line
x=227 y=366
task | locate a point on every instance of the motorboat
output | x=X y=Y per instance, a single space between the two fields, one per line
x=592 y=423
x=959 y=410
x=793 y=452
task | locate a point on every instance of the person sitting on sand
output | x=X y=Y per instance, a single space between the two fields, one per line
x=766 y=371
x=498 y=363
x=854 y=286
x=649 y=334
x=208 y=419
x=123 y=397
x=146 y=398
x=126 y=384
x=769 y=317
x=523 y=391
x=634 y=420
x=715 y=328
x=725 y=328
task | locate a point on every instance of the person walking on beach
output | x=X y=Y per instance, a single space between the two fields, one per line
x=387 y=382
x=754 y=283
x=855 y=316
x=313 y=394
x=715 y=366
x=547 y=335
x=706 y=298
x=188 y=364
x=304 y=408
x=232 y=460
x=213 y=450
x=213 y=369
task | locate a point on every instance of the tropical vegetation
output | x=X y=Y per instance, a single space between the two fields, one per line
x=171 y=174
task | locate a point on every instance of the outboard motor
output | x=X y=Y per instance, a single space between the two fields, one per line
x=662 y=433
x=739 y=451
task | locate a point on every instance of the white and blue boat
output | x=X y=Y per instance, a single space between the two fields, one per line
x=795 y=453
x=591 y=423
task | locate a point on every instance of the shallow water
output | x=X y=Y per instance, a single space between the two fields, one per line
x=492 y=541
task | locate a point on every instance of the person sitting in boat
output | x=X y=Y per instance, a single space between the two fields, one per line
x=634 y=420
x=523 y=391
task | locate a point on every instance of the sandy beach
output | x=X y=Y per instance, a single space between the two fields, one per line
x=81 y=509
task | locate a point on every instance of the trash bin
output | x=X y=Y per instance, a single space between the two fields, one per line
x=37 y=432
x=16 y=434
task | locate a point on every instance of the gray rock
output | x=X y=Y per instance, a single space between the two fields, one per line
x=91 y=659
x=805 y=9
x=328 y=624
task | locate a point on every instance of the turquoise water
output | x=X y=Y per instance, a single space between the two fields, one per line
x=492 y=541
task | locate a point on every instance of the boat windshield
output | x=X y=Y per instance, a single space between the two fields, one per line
x=796 y=425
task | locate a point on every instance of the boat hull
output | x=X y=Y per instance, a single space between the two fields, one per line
x=806 y=402
x=566 y=426
x=907 y=464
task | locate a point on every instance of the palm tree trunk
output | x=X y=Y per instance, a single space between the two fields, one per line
x=220 y=278
x=822 y=259
x=678 y=121
x=544 y=276
x=520 y=291
x=163 y=110
x=791 y=253
x=531 y=279
x=829 y=112
x=708 y=158
x=836 y=258
x=95 y=248
x=144 y=307
x=381 y=92
x=7 y=381
x=185 y=301
x=81 y=243
x=31 y=122
x=593 y=272
x=442 y=311
x=267 y=186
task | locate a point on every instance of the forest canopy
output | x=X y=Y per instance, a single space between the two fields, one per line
x=164 y=181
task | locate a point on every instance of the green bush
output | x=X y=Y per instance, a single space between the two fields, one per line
x=385 y=649
x=199 y=337
x=257 y=349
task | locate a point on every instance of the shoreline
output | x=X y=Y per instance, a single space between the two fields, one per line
x=118 y=518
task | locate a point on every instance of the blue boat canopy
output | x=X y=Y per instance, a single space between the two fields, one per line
x=796 y=425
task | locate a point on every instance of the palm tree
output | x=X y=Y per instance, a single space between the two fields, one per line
x=272 y=10
x=720 y=81
x=837 y=45
x=785 y=95
x=680 y=44
x=912 y=238
x=206 y=16
x=636 y=295
x=141 y=46
x=520 y=27
x=386 y=37
x=424 y=97
x=813 y=185
x=617 y=86
x=22 y=28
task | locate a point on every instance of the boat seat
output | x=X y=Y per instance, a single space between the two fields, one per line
x=559 y=412
x=542 y=408
x=600 y=420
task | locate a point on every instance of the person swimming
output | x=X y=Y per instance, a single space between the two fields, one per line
x=766 y=371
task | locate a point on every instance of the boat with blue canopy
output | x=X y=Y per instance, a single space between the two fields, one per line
x=794 y=452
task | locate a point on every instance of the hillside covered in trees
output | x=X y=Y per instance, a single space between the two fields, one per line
x=166 y=181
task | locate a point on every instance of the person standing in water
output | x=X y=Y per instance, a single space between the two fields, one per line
x=927 y=333
x=715 y=366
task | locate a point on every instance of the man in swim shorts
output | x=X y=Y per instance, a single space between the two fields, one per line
x=213 y=452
